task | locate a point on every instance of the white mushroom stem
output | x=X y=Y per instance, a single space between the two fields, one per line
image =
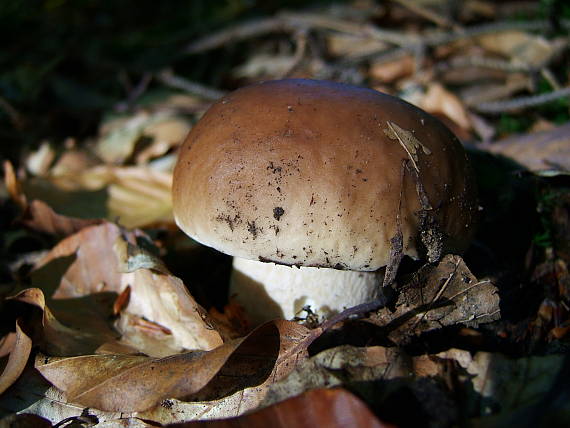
x=268 y=291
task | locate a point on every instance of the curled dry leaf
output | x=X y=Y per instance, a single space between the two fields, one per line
x=13 y=186
x=139 y=196
x=40 y=217
x=390 y=71
x=130 y=383
x=21 y=348
x=84 y=268
x=439 y=100
x=37 y=215
x=441 y=295
x=86 y=334
x=120 y=136
x=331 y=408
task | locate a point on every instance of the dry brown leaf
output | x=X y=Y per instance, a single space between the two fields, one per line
x=140 y=196
x=72 y=163
x=119 y=136
x=130 y=383
x=503 y=382
x=13 y=186
x=40 y=217
x=22 y=346
x=390 y=71
x=541 y=151
x=317 y=408
x=165 y=134
x=333 y=366
x=442 y=295
x=348 y=45
x=84 y=268
x=32 y=394
x=264 y=64
x=439 y=100
x=84 y=336
x=522 y=48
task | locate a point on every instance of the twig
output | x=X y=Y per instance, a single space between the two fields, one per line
x=428 y=14
x=235 y=34
x=170 y=79
x=522 y=102
x=484 y=62
x=291 y=23
x=300 y=51
x=135 y=93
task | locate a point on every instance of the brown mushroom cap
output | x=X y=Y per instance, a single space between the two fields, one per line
x=313 y=173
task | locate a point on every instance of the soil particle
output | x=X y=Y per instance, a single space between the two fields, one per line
x=278 y=212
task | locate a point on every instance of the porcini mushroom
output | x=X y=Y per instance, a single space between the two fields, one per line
x=315 y=186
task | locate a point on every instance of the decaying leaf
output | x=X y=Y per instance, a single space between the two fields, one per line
x=40 y=217
x=441 y=295
x=82 y=334
x=84 y=277
x=389 y=71
x=539 y=152
x=130 y=383
x=496 y=382
x=522 y=48
x=119 y=136
x=21 y=348
x=320 y=407
x=32 y=394
x=439 y=100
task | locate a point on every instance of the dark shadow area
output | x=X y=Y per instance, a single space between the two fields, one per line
x=508 y=224
x=248 y=366
x=205 y=271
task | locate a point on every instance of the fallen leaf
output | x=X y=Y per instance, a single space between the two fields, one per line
x=541 y=151
x=40 y=217
x=522 y=48
x=83 y=277
x=264 y=64
x=13 y=186
x=22 y=346
x=165 y=134
x=350 y=46
x=58 y=339
x=441 y=295
x=335 y=366
x=320 y=407
x=505 y=383
x=40 y=161
x=32 y=394
x=439 y=100
x=390 y=71
x=130 y=383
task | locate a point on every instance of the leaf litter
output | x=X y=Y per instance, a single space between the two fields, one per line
x=104 y=293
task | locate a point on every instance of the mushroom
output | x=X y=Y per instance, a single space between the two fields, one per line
x=314 y=187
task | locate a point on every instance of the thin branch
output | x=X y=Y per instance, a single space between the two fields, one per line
x=428 y=14
x=300 y=51
x=522 y=102
x=174 y=81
